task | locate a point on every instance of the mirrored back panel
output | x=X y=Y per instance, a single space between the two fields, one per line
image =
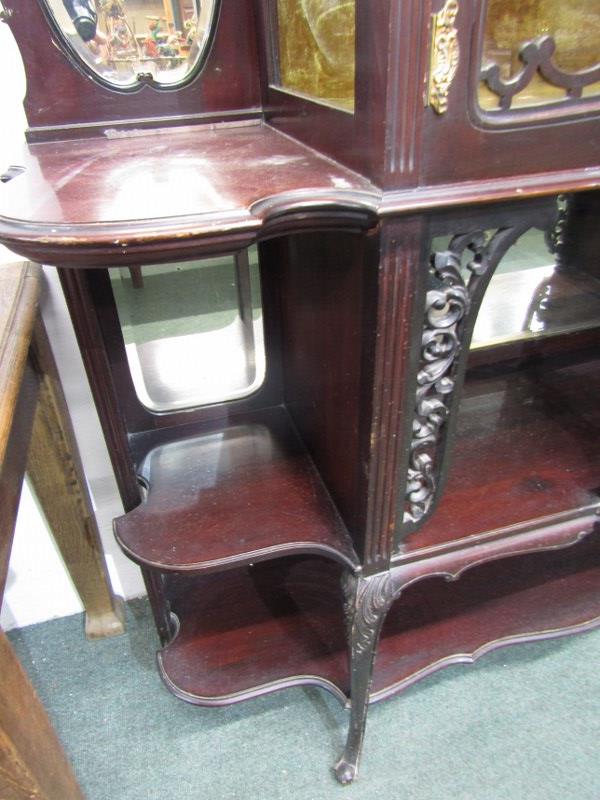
x=129 y=42
x=193 y=331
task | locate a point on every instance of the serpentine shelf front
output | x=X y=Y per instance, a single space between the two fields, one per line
x=150 y=192
x=269 y=626
x=242 y=493
x=142 y=195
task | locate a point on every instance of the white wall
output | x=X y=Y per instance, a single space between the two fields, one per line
x=38 y=586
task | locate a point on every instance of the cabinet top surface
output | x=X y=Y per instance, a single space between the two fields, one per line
x=149 y=195
x=187 y=181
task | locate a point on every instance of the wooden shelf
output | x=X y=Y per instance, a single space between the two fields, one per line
x=254 y=630
x=144 y=194
x=527 y=448
x=437 y=623
x=242 y=493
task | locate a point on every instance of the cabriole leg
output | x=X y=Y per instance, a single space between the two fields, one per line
x=367 y=602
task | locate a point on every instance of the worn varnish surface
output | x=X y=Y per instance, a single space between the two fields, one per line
x=164 y=185
x=237 y=485
x=155 y=195
x=238 y=494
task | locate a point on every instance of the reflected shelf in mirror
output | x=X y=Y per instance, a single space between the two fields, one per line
x=193 y=331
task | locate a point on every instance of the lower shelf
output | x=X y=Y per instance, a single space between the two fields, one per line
x=280 y=623
x=249 y=631
x=438 y=622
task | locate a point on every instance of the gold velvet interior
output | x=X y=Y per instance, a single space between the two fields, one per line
x=575 y=26
x=316 y=49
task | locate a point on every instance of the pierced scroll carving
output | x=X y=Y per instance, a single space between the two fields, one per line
x=536 y=56
x=555 y=235
x=451 y=307
x=444 y=56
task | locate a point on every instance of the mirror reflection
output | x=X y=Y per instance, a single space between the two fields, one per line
x=128 y=41
x=193 y=331
x=531 y=295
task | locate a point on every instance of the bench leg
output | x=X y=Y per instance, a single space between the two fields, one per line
x=56 y=474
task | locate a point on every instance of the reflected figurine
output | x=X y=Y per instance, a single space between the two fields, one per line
x=122 y=44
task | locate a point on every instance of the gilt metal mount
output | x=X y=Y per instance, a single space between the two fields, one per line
x=444 y=56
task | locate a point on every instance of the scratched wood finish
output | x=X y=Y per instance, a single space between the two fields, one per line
x=156 y=196
x=334 y=424
x=32 y=761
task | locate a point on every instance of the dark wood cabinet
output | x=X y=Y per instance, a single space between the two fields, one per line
x=408 y=476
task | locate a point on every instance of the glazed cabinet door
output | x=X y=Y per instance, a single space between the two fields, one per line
x=513 y=89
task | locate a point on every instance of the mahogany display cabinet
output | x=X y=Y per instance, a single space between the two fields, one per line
x=333 y=269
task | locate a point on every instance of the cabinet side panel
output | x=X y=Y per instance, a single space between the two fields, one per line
x=75 y=284
x=356 y=139
x=328 y=297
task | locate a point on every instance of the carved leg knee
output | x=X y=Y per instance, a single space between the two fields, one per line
x=367 y=602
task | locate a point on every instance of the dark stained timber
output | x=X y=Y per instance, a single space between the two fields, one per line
x=438 y=622
x=232 y=495
x=278 y=530
x=527 y=446
x=277 y=624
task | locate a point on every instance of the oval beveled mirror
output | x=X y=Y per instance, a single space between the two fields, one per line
x=127 y=43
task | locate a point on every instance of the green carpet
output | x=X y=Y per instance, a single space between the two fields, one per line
x=182 y=298
x=521 y=724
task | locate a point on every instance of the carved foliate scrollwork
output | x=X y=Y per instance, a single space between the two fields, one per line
x=444 y=55
x=536 y=56
x=555 y=234
x=366 y=600
x=450 y=308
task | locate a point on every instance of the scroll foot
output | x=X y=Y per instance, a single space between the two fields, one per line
x=345 y=772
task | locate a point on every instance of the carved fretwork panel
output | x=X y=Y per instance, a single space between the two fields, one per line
x=538 y=52
x=536 y=57
x=457 y=279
